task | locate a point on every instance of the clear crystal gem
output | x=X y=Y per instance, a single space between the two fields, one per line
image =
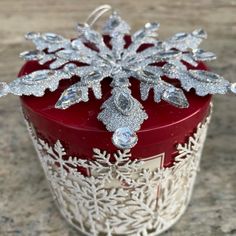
x=124 y=138
x=233 y=88
x=69 y=97
x=52 y=38
x=76 y=44
x=205 y=76
x=152 y=26
x=70 y=68
x=202 y=55
x=168 y=54
x=66 y=54
x=91 y=36
x=200 y=33
x=94 y=76
x=175 y=97
x=180 y=36
x=32 y=55
x=115 y=25
x=37 y=77
x=32 y=35
x=124 y=103
x=81 y=27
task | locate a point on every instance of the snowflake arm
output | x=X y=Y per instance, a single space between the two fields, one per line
x=79 y=91
x=50 y=41
x=116 y=28
x=212 y=82
x=147 y=35
x=185 y=41
x=36 y=83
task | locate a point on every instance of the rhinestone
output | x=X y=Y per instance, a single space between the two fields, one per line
x=202 y=55
x=81 y=27
x=70 y=68
x=72 y=95
x=32 y=35
x=200 y=33
x=124 y=103
x=32 y=55
x=76 y=44
x=69 y=97
x=52 y=38
x=66 y=54
x=168 y=54
x=175 y=97
x=152 y=26
x=233 y=88
x=180 y=36
x=95 y=76
x=115 y=25
x=205 y=76
x=124 y=138
x=37 y=76
x=91 y=36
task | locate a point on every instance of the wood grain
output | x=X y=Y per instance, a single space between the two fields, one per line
x=26 y=206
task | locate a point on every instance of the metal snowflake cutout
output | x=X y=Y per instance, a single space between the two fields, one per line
x=121 y=113
x=117 y=172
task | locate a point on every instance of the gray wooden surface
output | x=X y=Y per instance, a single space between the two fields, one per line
x=26 y=206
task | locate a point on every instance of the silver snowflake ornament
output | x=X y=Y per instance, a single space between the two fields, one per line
x=119 y=61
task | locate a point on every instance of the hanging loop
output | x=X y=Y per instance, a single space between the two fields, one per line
x=97 y=13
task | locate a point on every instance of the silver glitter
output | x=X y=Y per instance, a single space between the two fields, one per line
x=4 y=89
x=124 y=138
x=115 y=116
x=119 y=62
x=37 y=82
x=185 y=41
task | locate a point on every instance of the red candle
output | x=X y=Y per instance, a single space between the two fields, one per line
x=79 y=130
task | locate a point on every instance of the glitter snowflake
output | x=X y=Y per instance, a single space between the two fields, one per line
x=116 y=59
